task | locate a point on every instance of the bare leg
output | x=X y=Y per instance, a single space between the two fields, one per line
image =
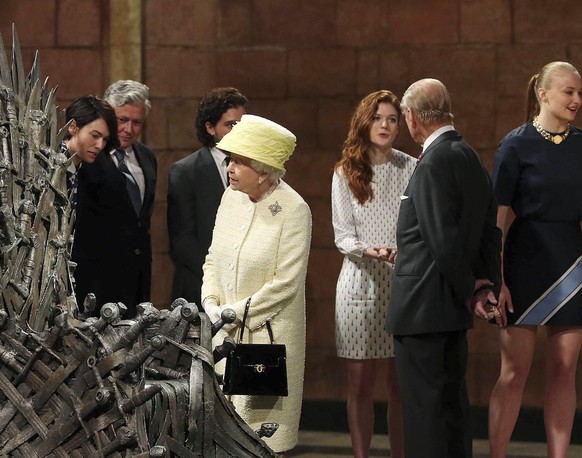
x=517 y=344
x=395 y=429
x=361 y=380
x=560 y=401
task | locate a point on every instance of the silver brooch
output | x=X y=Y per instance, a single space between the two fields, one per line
x=275 y=208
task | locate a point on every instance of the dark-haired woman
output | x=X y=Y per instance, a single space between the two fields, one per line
x=366 y=189
x=93 y=128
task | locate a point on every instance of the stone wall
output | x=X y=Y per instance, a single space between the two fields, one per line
x=305 y=64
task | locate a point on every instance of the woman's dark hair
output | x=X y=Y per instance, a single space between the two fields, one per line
x=355 y=161
x=87 y=109
x=211 y=108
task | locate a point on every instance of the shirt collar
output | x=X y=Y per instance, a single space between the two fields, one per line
x=128 y=151
x=432 y=137
x=217 y=154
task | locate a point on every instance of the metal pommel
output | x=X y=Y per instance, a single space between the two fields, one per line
x=228 y=316
x=190 y=312
x=110 y=312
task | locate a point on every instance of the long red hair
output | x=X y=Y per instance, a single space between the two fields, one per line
x=355 y=161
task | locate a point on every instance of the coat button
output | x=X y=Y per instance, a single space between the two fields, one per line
x=137 y=251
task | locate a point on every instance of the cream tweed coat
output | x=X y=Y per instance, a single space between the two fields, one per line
x=260 y=250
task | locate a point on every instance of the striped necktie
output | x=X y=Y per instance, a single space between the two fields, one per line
x=130 y=183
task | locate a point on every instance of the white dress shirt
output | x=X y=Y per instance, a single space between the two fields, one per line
x=432 y=137
x=220 y=160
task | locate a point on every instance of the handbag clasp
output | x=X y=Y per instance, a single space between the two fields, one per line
x=260 y=368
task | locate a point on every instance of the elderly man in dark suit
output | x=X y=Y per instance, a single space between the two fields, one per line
x=115 y=200
x=195 y=188
x=447 y=269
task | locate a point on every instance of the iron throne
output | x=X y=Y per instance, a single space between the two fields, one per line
x=72 y=385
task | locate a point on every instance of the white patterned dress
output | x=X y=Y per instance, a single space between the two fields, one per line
x=363 y=285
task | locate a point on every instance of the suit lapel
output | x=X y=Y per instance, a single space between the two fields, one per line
x=148 y=176
x=211 y=170
x=441 y=138
x=146 y=169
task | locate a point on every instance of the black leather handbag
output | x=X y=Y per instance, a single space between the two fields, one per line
x=256 y=369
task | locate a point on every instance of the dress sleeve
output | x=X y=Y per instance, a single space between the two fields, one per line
x=211 y=286
x=505 y=173
x=344 y=223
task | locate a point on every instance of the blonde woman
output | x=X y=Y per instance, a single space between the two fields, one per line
x=537 y=178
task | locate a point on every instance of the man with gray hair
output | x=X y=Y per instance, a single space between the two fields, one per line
x=115 y=199
x=447 y=270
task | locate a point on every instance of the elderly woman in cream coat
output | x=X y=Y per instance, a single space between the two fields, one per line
x=259 y=250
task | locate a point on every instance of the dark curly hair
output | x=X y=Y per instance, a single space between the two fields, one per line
x=211 y=108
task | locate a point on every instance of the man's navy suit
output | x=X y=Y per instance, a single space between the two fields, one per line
x=195 y=189
x=447 y=238
x=112 y=245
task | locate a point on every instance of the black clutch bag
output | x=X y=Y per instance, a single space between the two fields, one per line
x=256 y=369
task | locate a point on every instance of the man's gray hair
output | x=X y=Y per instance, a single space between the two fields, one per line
x=123 y=92
x=430 y=101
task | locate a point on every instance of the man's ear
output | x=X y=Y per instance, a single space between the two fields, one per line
x=210 y=128
x=413 y=118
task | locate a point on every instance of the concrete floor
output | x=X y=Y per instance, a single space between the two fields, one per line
x=314 y=444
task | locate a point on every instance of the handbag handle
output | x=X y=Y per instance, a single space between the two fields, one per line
x=244 y=321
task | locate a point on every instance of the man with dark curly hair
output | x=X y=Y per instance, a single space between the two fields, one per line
x=195 y=187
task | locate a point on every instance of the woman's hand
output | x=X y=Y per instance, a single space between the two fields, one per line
x=505 y=303
x=212 y=309
x=371 y=252
x=387 y=254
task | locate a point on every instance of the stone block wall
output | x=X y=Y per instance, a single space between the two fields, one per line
x=305 y=64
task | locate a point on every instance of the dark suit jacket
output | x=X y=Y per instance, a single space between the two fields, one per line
x=112 y=246
x=447 y=237
x=195 y=189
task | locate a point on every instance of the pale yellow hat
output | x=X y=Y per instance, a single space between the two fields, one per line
x=260 y=139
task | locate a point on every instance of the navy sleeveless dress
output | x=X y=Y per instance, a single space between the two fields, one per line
x=542 y=183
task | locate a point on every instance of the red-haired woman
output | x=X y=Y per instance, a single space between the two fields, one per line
x=366 y=189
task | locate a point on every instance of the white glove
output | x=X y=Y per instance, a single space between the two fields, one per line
x=229 y=326
x=212 y=310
